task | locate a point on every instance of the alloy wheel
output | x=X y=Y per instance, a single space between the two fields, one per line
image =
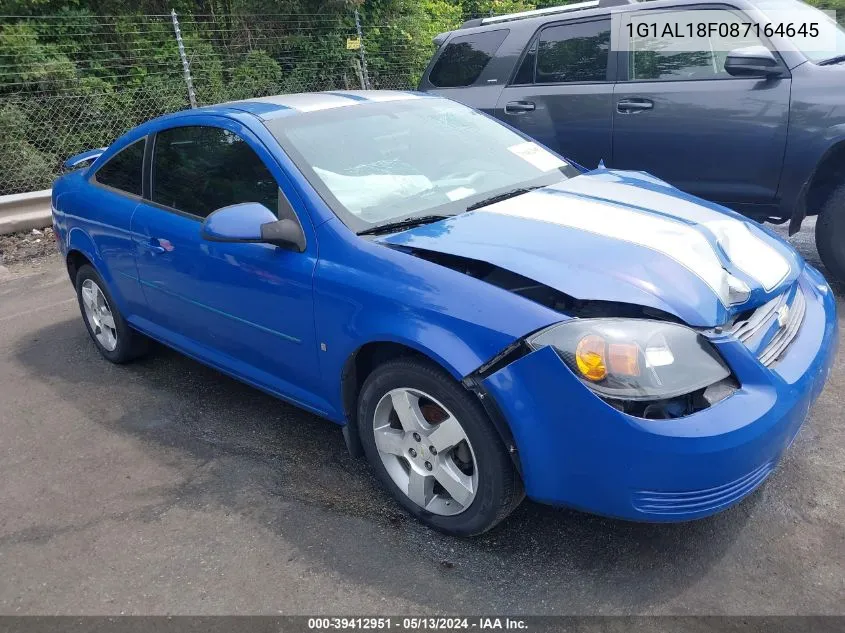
x=426 y=451
x=99 y=315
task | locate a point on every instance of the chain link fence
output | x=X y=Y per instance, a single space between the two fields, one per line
x=70 y=83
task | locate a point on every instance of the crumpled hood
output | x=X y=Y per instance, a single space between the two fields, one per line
x=626 y=237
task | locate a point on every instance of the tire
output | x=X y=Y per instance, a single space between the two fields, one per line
x=118 y=344
x=482 y=484
x=830 y=233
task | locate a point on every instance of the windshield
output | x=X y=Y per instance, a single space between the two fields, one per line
x=379 y=163
x=808 y=15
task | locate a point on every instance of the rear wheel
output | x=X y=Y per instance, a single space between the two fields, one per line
x=114 y=339
x=830 y=233
x=432 y=445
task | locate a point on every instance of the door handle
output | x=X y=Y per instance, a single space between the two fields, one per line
x=632 y=106
x=519 y=107
x=155 y=247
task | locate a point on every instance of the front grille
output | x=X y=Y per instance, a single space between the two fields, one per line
x=778 y=345
x=762 y=324
x=747 y=329
x=694 y=501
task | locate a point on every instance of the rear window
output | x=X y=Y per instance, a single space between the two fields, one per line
x=464 y=57
x=123 y=170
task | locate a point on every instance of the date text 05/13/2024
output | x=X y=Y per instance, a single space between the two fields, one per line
x=429 y=623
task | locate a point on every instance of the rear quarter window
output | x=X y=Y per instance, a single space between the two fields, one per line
x=123 y=171
x=465 y=57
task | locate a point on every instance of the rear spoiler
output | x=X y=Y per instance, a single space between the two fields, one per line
x=440 y=38
x=85 y=157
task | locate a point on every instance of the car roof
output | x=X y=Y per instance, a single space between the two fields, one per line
x=265 y=109
x=275 y=106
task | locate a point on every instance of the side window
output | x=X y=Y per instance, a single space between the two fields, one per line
x=200 y=169
x=652 y=58
x=573 y=52
x=525 y=74
x=124 y=170
x=464 y=57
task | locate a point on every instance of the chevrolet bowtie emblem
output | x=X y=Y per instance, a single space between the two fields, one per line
x=783 y=315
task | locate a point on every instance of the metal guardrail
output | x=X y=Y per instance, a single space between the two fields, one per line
x=25 y=211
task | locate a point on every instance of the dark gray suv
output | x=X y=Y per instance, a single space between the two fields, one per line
x=760 y=129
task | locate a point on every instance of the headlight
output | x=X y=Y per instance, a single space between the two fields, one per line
x=634 y=359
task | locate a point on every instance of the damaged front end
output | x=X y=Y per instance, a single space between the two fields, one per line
x=646 y=378
x=637 y=373
x=591 y=430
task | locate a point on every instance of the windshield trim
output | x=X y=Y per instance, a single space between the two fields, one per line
x=278 y=129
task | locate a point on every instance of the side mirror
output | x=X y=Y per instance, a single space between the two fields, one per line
x=752 y=61
x=252 y=222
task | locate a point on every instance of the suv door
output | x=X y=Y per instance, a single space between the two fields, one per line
x=562 y=91
x=236 y=305
x=680 y=116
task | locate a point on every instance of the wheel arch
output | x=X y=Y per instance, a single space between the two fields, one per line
x=361 y=363
x=81 y=245
x=829 y=174
x=75 y=260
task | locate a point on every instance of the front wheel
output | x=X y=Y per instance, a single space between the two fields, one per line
x=830 y=233
x=433 y=446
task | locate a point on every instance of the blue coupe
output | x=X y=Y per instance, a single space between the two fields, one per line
x=484 y=318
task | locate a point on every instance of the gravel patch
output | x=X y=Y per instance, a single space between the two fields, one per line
x=26 y=249
x=19 y=247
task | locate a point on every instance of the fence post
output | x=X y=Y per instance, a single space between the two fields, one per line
x=365 y=77
x=186 y=68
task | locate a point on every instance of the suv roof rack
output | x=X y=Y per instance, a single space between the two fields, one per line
x=578 y=6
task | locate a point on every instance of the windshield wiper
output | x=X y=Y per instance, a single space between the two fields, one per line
x=403 y=224
x=832 y=60
x=513 y=193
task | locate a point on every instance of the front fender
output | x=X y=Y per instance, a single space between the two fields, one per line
x=366 y=292
x=816 y=125
x=828 y=144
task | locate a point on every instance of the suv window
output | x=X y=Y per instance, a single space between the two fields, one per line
x=648 y=61
x=573 y=52
x=200 y=169
x=464 y=57
x=123 y=170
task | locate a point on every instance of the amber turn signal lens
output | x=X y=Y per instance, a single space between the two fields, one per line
x=624 y=359
x=589 y=356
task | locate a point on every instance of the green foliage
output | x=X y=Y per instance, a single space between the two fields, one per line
x=258 y=74
x=23 y=166
x=75 y=74
x=27 y=61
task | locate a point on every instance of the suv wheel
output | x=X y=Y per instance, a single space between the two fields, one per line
x=433 y=446
x=830 y=233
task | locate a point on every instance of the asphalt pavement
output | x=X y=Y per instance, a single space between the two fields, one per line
x=164 y=487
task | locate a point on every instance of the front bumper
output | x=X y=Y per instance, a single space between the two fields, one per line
x=578 y=451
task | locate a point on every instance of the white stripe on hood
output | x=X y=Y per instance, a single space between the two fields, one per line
x=679 y=240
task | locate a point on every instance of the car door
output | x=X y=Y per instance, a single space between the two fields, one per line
x=562 y=91
x=680 y=116
x=246 y=308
